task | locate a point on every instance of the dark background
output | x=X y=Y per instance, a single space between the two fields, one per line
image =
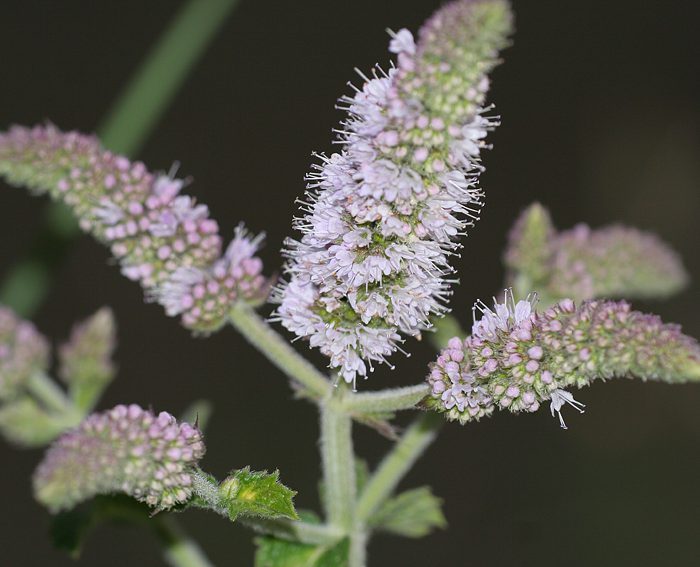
x=601 y=122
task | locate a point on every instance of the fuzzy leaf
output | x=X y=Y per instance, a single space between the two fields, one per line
x=257 y=494
x=414 y=513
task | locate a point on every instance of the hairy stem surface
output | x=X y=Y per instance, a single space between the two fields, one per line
x=338 y=462
x=389 y=400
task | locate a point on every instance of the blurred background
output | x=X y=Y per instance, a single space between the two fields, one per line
x=601 y=123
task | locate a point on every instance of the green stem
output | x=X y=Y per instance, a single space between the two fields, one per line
x=127 y=125
x=358 y=547
x=179 y=550
x=389 y=400
x=338 y=461
x=396 y=464
x=278 y=350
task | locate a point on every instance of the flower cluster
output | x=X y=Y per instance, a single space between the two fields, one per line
x=582 y=263
x=22 y=351
x=126 y=449
x=151 y=228
x=517 y=358
x=383 y=216
x=203 y=296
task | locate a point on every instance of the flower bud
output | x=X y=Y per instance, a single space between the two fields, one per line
x=87 y=356
x=584 y=263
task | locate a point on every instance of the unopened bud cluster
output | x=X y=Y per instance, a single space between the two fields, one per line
x=154 y=230
x=383 y=216
x=87 y=356
x=584 y=263
x=23 y=350
x=126 y=449
x=517 y=358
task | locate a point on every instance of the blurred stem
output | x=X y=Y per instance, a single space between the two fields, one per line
x=127 y=125
x=396 y=464
x=278 y=350
x=179 y=550
x=44 y=389
x=161 y=74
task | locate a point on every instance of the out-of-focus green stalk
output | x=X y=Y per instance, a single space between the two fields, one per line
x=124 y=130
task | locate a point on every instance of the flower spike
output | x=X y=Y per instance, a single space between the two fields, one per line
x=517 y=358
x=383 y=216
x=162 y=238
x=126 y=449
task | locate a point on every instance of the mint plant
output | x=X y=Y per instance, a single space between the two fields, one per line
x=367 y=273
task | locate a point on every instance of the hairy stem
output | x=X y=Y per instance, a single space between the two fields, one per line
x=338 y=462
x=278 y=350
x=146 y=96
x=396 y=464
x=389 y=400
x=178 y=549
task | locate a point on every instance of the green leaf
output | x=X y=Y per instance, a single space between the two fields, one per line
x=414 y=513
x=257 y=494
x=274 y=552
